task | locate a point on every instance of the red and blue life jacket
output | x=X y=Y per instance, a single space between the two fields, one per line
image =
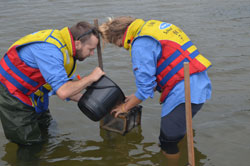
x=176 y=49
x=27 y=83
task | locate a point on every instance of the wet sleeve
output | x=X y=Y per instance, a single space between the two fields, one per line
x=145 y=52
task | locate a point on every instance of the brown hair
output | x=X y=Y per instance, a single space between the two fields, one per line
x=113 y=29
x=83 y=30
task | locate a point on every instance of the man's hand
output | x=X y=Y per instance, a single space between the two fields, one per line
x=96 y=74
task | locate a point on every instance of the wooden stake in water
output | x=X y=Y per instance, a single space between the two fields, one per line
x=99 y=51
x=190 y=142
x=100 y=64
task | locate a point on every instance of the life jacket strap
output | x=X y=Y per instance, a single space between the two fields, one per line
x=41 y=103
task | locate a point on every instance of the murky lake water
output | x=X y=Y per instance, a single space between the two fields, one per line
x=221 y=31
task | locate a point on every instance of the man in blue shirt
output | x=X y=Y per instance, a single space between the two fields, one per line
x=158 y=50
x=37 y=66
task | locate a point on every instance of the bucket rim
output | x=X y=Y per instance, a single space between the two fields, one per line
x=115 y=85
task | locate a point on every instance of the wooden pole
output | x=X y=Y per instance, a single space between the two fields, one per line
x=190 y=142
x=99 y=51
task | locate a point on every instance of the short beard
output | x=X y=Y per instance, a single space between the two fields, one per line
x=77 y=55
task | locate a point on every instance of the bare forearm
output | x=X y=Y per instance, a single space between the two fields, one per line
x=76 y=97
x=72 y=88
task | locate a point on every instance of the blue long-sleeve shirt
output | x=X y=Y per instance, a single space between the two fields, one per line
x=145 y=53
x=49 y=59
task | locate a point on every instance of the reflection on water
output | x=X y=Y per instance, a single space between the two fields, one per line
x=113 y=148
x=22 y=155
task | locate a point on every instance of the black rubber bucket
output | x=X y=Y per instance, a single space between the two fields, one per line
x=100 y=98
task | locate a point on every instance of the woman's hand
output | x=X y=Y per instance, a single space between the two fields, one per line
x=130 y=102
x=119 y=109
x=129 y=98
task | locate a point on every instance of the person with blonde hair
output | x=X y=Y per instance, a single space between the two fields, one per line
x=158 y=50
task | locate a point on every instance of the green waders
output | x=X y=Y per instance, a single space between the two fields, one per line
x=21 y=123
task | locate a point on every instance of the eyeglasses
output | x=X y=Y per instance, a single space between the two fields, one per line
x=86 y=33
